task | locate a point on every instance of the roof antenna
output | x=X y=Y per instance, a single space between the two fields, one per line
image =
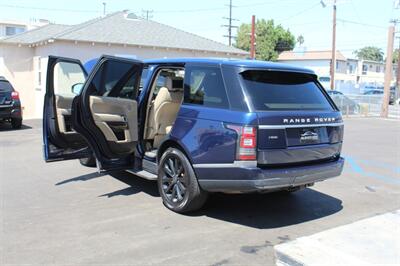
x=104 y=8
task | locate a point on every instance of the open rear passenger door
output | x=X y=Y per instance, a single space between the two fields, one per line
x=65 y=78
x=105 y=112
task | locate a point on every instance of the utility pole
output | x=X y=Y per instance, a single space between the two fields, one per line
x=333 y=61
x=147 y=14
x=230 y=25
x=398 y=67
x=388 y=73
x=104 y=8
x=253 y=38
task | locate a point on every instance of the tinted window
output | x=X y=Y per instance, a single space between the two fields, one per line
x=68 y=78
x=204 y=86
x=115 y=79
x=275 y=90
x=5 y=86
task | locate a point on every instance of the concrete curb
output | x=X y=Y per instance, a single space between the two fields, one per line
x=371 y=241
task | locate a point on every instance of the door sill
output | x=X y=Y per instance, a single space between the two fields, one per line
x=150 y=166
x=143 y=174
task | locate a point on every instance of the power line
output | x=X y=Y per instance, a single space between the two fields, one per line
x=300 y=12
x=51 y=9
x=359 y=23
x=147 y=14
x=189 y=10
x=355 y=10
x=218 y=8
x=263 y=3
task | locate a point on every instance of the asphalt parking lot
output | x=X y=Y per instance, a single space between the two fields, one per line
x=63 y=213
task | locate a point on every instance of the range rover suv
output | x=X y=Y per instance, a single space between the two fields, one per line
x=194 y=125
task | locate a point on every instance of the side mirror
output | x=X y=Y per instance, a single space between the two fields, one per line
x=76 y=88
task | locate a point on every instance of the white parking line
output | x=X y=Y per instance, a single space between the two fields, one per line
x=372 y=241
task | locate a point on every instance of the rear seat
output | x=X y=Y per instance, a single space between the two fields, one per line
x=164 y=110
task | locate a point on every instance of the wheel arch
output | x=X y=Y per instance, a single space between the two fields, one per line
x=174 y=144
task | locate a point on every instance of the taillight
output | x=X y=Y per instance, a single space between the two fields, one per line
x=15 y=95
x=246 y=142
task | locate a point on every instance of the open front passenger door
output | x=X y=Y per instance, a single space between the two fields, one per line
x=105 y=112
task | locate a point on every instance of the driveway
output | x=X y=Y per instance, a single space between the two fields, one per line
x=63 y=213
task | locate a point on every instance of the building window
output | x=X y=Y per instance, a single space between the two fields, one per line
x=364 y=69
x=351 y=69
x=12 y=30
x=378 y=69
x=39 y=72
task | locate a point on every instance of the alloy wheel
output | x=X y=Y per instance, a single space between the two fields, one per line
x=174 y=181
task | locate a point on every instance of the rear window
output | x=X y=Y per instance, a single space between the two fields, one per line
x=277 y=90
x=5 y=86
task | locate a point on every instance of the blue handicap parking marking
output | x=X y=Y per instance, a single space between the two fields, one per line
x=357 y=168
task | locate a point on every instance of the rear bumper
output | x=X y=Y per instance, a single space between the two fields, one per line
x=10 y=111
x=246 y=178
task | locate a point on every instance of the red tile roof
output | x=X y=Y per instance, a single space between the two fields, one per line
x=310 y=55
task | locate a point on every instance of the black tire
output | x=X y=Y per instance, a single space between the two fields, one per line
x=177 y=183
x=88 y=162
x=16 y=123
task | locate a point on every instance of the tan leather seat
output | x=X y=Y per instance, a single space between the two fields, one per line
x=165 y=109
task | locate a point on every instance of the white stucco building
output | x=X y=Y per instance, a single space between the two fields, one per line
x=23 y=57
x=13 y=27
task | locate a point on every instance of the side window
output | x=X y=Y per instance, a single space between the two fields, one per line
x=204 y=86
x=68 y=79
x=115 y=79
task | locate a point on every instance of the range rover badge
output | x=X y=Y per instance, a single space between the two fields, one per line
x=309 y=136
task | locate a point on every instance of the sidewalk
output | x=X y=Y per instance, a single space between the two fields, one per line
x=372 y=241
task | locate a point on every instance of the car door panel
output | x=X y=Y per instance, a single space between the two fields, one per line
x=63 y=107
x=107 y=115
x=60 y=141
x=107 y=111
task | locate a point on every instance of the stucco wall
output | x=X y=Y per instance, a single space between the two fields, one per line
x=16 y=64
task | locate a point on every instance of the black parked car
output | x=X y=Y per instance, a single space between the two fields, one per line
x=10 y=104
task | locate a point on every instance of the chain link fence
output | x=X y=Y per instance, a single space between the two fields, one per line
x=363 y=105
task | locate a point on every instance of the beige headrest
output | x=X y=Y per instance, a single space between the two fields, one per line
x=174 y=83
x=168 y=82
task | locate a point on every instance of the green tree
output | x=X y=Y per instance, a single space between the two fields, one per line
x=395 y=55
x=370 y=53
x=270 y=39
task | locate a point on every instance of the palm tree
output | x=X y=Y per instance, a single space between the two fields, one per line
x=300 y=40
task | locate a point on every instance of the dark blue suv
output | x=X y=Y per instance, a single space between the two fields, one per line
x=194 y=125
